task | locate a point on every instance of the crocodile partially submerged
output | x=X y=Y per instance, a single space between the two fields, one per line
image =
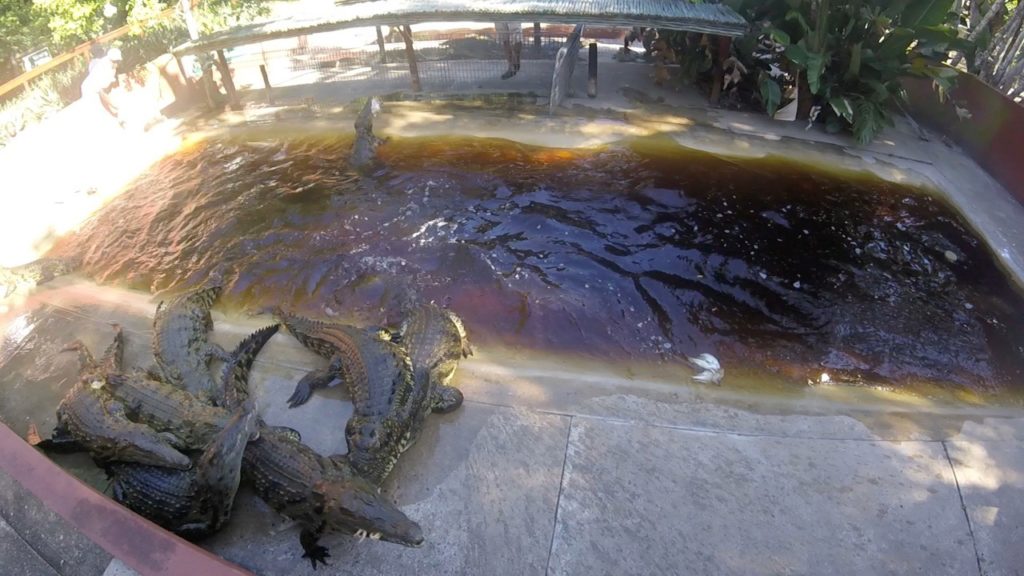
x=89 y=417
x=192 y=503
x=323 y=495
x=379 y=378
x=363 y=157
x=181 y=346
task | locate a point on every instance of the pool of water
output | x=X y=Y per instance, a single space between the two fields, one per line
x=637 y=251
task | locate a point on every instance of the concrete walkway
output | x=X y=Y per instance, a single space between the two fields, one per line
x=571 y=468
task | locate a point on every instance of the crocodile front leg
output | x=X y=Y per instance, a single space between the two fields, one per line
x=445 y=399
x=312 y=381
x=315 y=552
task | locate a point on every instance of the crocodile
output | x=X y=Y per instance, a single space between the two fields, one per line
x=192 y=503
x=167 y=408
x=180 y=344
x=33 y=274
x=322 y=495
x=435 y=339
x=378 y=376
x=90 y=418
x=364 y=149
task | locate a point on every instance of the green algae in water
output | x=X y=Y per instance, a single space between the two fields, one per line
x=642 y=251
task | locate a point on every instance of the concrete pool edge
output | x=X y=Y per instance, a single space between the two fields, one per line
x=137 y=542
x=525 y=467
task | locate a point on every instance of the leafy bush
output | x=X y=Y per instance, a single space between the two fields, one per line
x=848 y=56
x=49 y=93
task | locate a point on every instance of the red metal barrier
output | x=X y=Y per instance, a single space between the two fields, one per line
x=142 y=545
x=993 y=136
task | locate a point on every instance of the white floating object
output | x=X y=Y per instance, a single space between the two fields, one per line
x=711 y=371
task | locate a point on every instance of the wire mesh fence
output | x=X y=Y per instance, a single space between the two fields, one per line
x=360 y=62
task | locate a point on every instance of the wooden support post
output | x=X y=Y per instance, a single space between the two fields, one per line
x=592 y=71
x=410 y=55
x=380 y=44
x=266 y=84
x=536 y=36
x=209 y=89
x=185 y=75
x=723 y=48
x=229 y=83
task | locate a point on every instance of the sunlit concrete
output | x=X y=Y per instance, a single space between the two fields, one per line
x=574 y=467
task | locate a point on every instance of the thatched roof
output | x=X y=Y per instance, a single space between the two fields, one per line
x=671 y=14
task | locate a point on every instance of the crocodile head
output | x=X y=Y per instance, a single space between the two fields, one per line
x=364 y=433
x=355 y=506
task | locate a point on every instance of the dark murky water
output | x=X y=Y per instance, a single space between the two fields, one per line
x=635 y=251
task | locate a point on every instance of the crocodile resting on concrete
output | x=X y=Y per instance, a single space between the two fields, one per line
x=379 y=378
x=436 y=341
x=197 y=502
x=192 y=503
x=181 y=346
x=90 y=418
x=323 y=495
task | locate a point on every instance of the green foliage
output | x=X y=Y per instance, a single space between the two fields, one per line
x=49 y=94
x=853 y=53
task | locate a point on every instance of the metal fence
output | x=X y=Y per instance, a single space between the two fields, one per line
x=334 y=67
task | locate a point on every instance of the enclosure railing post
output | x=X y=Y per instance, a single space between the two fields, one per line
x=592 y=71
x=266 y=84
x=380 y=44
x=185 y=76
x=229 y=83
x=536 y=37
x=410 y=55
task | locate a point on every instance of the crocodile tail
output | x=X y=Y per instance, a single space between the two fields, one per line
x=235 y=377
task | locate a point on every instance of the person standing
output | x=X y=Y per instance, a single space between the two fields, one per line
x=510 y=34
x=102 y=79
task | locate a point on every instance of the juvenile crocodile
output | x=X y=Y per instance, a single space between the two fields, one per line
x=91 y=418
x=378 y=376
x=167 y=408
x=192 y=503
x=180 y=344
x=323 y=495
x=364 y=149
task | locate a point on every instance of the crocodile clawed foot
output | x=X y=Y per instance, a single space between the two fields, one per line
x=299 y=396
x=316 y=554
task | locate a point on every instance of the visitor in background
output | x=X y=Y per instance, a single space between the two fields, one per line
x=510 y=34
x=102 y=79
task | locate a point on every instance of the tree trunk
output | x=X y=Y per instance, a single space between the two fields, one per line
x=804 y=95
x=1013 y=48
x=989 y=59
x=994 y=11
